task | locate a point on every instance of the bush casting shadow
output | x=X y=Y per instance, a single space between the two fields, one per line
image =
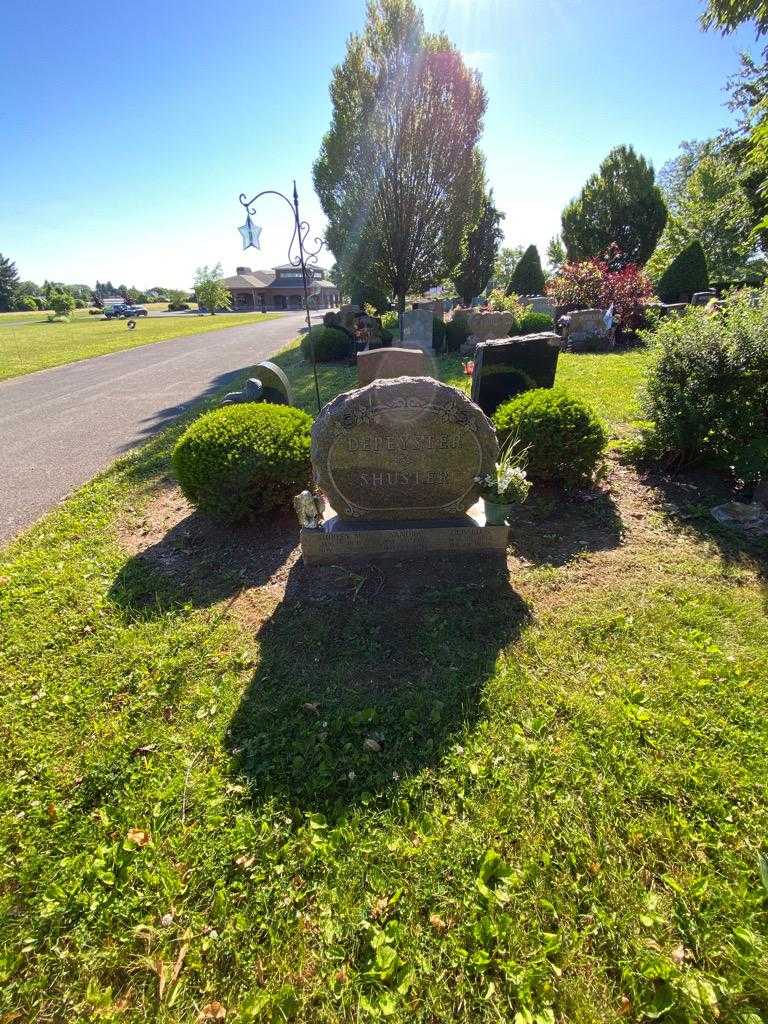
x=200 y=561
x=553 y=528
x=354 y=692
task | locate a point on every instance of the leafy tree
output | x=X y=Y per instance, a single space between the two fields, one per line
x=25 y=302
x=713 y=209
x=686 y=274
x=210 y=289
x=60 y=301
x=398 y=164
x=527 y=277
x=620 y=204
x=9 y=281
x=675 y=174
x=479 y=251
x=727 y=15
x=556 y=255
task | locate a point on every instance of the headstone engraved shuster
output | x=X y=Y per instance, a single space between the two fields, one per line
x=397 y=461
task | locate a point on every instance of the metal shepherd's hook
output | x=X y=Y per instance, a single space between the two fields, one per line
x=300 y=232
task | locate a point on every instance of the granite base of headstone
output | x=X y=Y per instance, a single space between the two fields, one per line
x=397 y=461
x=508 y=367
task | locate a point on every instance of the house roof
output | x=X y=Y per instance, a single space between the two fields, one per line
x=265 y=279
x=252 y=280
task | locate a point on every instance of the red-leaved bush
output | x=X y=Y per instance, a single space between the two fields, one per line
x=593 y=285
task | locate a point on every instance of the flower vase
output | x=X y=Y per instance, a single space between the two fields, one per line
x=496 y=512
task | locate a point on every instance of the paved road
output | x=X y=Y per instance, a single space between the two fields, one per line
x=60 y=427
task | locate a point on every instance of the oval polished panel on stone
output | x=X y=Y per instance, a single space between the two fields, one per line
x=406 y=448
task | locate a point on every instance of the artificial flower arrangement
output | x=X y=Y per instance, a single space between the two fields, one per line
x=507 y=485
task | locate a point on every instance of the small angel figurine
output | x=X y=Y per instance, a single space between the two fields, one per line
x=309 y=510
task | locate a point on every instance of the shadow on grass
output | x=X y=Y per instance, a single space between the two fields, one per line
x=201 y=562
x=356 y=689
x=690 y=498
x=553 y=528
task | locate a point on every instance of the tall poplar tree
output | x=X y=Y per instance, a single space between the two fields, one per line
x=397 y=167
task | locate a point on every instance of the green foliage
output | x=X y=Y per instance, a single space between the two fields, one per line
x=456 y=332
x=368 y=295
x=62 y=303
x=210 y=290
x=24 y=302
x=728 y=15
x=479 y=250
x=532 y=322
x=527 y=277
x=706 y=391
x=712 y=208
x=329 y=344
x=564 y=439
x=556 y=254
x=506 y=261
x=9 y=280
x=243 y=461
x=619 y=205
x=686 y=274
x=500 y=302
x=390 y=321
x=399 y=164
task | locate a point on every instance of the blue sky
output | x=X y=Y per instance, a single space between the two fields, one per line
x=127 y=133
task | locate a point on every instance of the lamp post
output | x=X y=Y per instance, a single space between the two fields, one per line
x=251 y=234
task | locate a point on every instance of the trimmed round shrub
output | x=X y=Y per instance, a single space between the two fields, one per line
x=533 y=323
x=565 y=439
x=243 y=461
x=330 y=343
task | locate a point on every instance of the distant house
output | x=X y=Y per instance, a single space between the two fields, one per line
x=281 y=289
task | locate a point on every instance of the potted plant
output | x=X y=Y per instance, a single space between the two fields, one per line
x=505 y=488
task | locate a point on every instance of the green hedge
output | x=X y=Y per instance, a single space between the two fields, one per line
x=533 y=323
x=243 y=461
x=564 y=438
x=707 y=390
x=330 y=344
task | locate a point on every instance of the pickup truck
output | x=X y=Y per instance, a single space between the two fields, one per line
x=124 y=311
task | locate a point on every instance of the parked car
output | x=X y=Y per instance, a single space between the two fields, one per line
x=124 y=311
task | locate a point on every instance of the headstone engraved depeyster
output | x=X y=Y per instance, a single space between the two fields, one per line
x=398 y=461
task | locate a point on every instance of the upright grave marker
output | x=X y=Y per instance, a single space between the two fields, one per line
x=397 y=461
x=507 y=368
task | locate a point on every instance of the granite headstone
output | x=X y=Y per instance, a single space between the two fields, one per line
x=383 y=363
x=417 y=327
x=506 y=368
x=408 y=448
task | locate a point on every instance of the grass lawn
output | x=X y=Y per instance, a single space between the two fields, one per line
x=535 y=794
x=33 y=343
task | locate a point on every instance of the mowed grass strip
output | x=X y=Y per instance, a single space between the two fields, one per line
x=483 y=808
x=38 y=344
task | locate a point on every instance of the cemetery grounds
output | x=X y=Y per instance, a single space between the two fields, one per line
x=236 y=790
x=29 y=341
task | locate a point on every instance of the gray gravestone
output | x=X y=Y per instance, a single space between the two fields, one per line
x=417 y=327
x=507 y=368
x=398 y=461
x=383 y=363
